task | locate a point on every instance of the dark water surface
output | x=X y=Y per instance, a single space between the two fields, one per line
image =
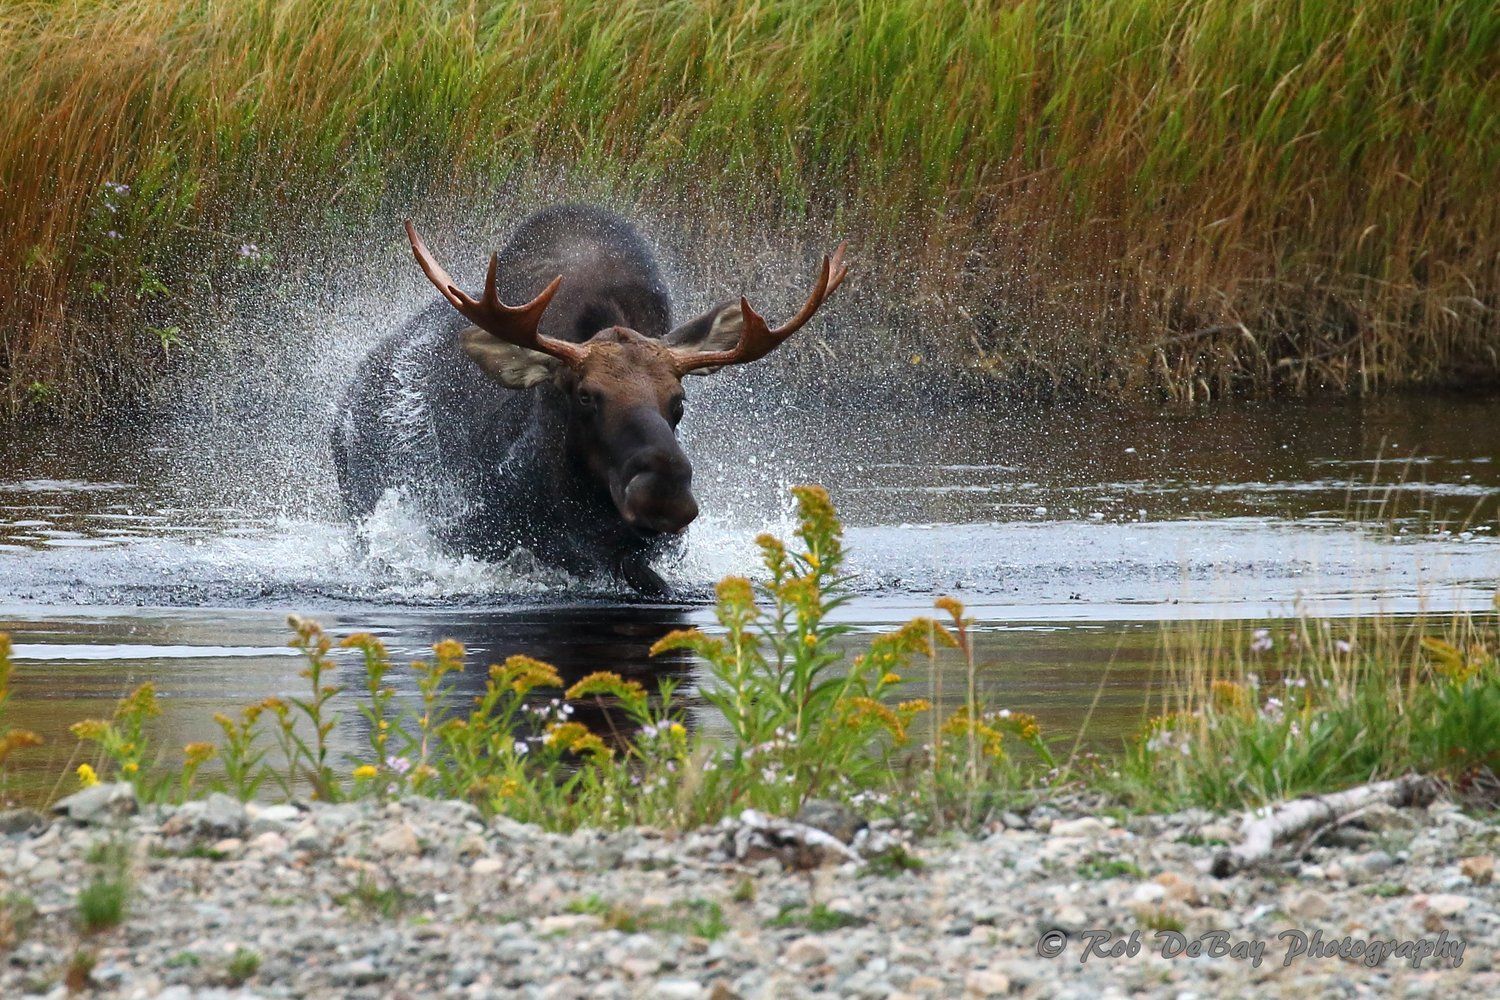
x=174 y=553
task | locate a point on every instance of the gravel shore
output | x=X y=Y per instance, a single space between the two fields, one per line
x=424 y=898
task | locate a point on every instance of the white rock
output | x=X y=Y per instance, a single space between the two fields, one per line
x=399 y=839
x=986 y=983
x=1148 y=894
x=486 y=866
x=269 y=842
x=1085 y=826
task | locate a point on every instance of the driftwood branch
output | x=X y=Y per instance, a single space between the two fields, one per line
x=1263 y=830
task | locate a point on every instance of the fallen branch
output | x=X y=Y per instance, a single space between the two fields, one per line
x=1262 y=830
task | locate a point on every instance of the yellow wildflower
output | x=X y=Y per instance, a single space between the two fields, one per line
x=87 y=777
x=952 y=605
x=522 y=673
x=606 y=682
x=564 y=734
x=129 y=767
x=1228 y=696
x=197 y=753
x=735 y=590
x=891 y=678
x=365 y=772
x=859 y=710
x=90 y=729
x=449 y=650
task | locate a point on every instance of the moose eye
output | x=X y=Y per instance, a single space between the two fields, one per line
x=674 y=410
x=585 y=399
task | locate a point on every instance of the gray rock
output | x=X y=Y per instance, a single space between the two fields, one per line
x=833 y=818
x=13 y=821
x=217 y=817
x=99 y=803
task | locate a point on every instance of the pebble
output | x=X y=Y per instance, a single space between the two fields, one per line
x=806 y=951
x=1479 y=869
x=418 y=898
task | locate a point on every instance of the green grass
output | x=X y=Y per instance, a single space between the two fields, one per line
x=103 y=902
x=1186 y=198
x=242 y=966
x=370 y=898
x=692 y=918
x=1101 y=866
x=817 y=918
x=1310 y=706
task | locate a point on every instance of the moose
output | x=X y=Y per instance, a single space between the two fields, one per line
x=549 y=426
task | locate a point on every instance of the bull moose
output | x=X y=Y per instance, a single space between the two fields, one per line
x=549 y=426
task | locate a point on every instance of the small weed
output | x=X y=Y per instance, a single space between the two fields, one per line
x=1161 y=919
x=696 y=918
x=184 y=960
x=369 y=897
x=109 y=853
x=744 y=891
x=1198 y=840
x=818 y=918
x=615 y=916
x=1386 y=890
x=17 y=915
x=80 y=972
x=896 y=861
x=1101 y=866
x=102 y=903
x=243 y=965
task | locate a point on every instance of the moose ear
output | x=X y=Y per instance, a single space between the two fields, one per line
x=719 y=329
x=513 y=367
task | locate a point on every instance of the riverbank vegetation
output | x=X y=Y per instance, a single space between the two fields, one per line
x=1313 y=707
x=1127 y=196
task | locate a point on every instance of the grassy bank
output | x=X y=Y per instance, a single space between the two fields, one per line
x=1313 y=707
x=1128 y=196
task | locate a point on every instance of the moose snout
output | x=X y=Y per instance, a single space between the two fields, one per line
x=658 y=495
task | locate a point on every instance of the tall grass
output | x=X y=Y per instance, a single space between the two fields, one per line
x=1191 y=198
x=1311 y=706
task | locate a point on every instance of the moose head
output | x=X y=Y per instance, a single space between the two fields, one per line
x=623 y=389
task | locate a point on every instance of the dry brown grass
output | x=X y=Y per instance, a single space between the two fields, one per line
x=1134 y=195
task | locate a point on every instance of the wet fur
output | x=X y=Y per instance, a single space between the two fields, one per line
x=488 y=464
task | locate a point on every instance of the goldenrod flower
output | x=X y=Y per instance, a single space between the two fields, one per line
x=522 y=673
x=449 y=650
x=90 y=729
x=364 y=772
x=891 y=678
x=129 y=767
x=197 y=753
x=606 y=682
x=87 y=777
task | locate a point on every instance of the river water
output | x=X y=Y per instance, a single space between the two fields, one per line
x=172 y=551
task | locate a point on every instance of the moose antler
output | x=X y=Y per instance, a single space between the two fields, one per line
x=756 y=339
x=512 y=324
